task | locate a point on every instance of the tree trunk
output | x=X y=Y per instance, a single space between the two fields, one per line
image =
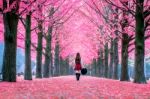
x=67 y=66
x=102 y=63
x=10 y=20
x=99 y=64
x=139 y=44
x=97 y=68
x=106 y=60
x=47 y=53
x=57 y=60
x=111 y=59
x=51 y=65
x=28 y=71
x=39 y=52
x=62 y=66
x=94 y=67
x=116 y=59
x=124 y=57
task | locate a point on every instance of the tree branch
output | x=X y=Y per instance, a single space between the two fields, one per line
x=121 y=8
x=147 y=12
x=25 y=9
x=22 y=21
x=131 y=50
x=146 y=37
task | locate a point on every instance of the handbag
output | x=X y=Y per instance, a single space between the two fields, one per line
x=83 y=71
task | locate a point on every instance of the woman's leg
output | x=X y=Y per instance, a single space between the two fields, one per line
x=77 y=76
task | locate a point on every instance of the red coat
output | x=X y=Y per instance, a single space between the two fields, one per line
x=78 y=67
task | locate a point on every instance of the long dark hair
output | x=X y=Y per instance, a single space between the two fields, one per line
x=78 y=59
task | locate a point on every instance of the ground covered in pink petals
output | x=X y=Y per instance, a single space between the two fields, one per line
x=66 y=87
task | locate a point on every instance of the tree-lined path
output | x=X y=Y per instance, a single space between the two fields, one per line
x=66 y=87
x=39 y=40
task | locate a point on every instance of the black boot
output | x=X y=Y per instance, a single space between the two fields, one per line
x=77 y=76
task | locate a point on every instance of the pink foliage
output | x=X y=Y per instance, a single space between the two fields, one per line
x=80 y=24
x=1 y=4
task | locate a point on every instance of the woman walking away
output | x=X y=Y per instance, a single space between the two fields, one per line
x=78 y=66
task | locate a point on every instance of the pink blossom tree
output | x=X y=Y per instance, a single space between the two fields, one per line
x=139 y=10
